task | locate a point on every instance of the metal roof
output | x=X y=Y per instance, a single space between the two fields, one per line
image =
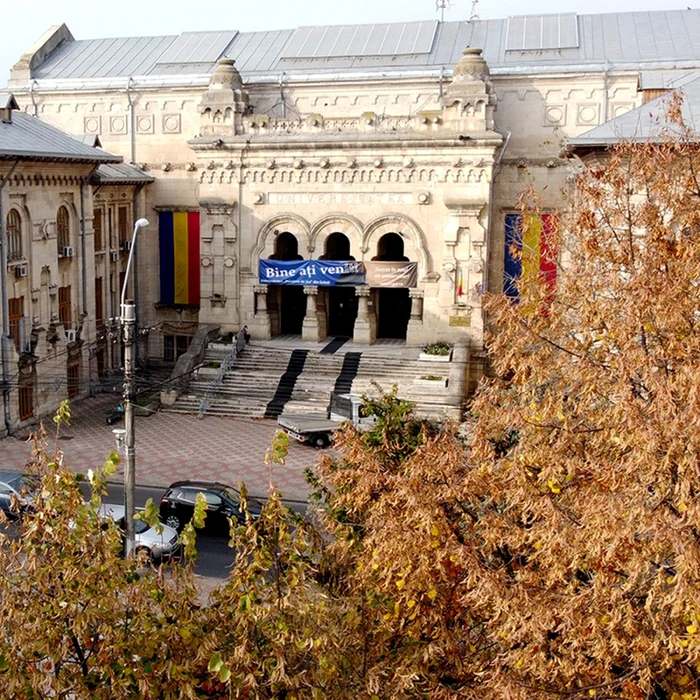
x=647 y=122
x=29 y=138
x=557 y=42
x=665 y=79
x=197 y=47
x=98 y=58
x=362 y=40
x=120 y=174
x=542 y=32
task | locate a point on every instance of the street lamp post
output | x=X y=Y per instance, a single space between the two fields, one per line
x=128 y=321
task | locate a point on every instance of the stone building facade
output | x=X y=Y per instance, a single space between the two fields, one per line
x=394 y=142
x=55 y=320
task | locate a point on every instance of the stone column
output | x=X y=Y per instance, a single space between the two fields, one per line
x=414 y=334
x=261 y=326
x=365 y=331
x=310 y=328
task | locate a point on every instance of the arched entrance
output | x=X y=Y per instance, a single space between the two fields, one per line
x=341 y=304
x=288 y=300
x=393 y=306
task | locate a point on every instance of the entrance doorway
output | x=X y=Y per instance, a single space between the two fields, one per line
x=286 y=302
x=393 y=312
x=292 y=309
x=342 y=311
x=393 y=304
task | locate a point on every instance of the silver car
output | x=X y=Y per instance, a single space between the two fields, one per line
x=156 y=545
x=19 y=489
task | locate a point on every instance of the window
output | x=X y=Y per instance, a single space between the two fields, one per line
x=73 y=376
x=97 y=228
x=14 y=236
x=123 y=223
x=26 y=402
x=64 y=306
x=62 y=228
x=16 y=316
x=110 y=227
x=99 y=301
x=174 y=346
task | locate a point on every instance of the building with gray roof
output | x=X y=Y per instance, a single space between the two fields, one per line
x=394 y=143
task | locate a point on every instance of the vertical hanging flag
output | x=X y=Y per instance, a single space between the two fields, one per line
x=529 y=249
x=460 y=286
x=179 y=257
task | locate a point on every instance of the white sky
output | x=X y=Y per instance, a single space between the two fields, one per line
x=24 y=22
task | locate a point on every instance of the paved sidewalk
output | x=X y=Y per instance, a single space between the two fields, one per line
x=173 y=446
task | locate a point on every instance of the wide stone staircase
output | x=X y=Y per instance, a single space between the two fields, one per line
x=265 y=381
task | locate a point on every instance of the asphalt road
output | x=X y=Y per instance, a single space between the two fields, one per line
x=214 y=555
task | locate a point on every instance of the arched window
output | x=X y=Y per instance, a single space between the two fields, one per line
x=337 y=247
x=14 y=235
x=286 y=247
x=390 y=247
x=62 y=229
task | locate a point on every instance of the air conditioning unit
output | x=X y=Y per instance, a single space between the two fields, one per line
x=114 y=256
x=21 y=270
x=66 y=251
x=126 y=246
x=71 y=335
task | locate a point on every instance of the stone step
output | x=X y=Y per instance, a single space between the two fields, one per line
x=257 y=376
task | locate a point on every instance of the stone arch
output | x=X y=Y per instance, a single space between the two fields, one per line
x=414 y=239
x=265 y=242
x=337 y=223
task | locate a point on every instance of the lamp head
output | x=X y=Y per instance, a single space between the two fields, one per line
x=141 y=223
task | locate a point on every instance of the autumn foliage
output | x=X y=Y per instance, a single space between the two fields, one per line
x=553 y=552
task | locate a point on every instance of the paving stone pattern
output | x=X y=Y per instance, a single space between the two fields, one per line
x=172 y=446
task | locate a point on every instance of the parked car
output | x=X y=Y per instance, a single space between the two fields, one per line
x=23 y=487
x=223 y=502
x=156 y=544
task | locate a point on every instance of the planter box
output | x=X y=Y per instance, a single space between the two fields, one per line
x=430 y=383
x=435 y=358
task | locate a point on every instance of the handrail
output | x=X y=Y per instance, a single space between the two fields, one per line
x=215 y=385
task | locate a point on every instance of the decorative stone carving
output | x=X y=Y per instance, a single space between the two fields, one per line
x=225 y=102
x=226 y=75
x=145 y=124
x=172 y=123
x=470 y=100
x=117 y=125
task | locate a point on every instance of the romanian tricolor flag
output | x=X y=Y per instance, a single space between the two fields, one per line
x=179 y=257
x=530 y=247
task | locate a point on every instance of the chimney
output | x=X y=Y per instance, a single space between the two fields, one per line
x=7 y=105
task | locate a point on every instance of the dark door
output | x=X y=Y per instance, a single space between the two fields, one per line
x=342 y=311
x=394 y=310
x=292 y=309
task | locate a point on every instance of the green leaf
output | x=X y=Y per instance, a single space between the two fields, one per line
x=111 y=463
x=215 y=663
x=200 y=511
x=224 y=674
x=151 y=515
x=3 y=663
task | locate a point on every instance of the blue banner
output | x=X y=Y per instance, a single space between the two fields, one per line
x=310 y=273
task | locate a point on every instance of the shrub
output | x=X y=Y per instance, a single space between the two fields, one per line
x=439 y=348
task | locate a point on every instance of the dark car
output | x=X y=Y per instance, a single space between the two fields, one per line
x=223 y=502
x=23 y=487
